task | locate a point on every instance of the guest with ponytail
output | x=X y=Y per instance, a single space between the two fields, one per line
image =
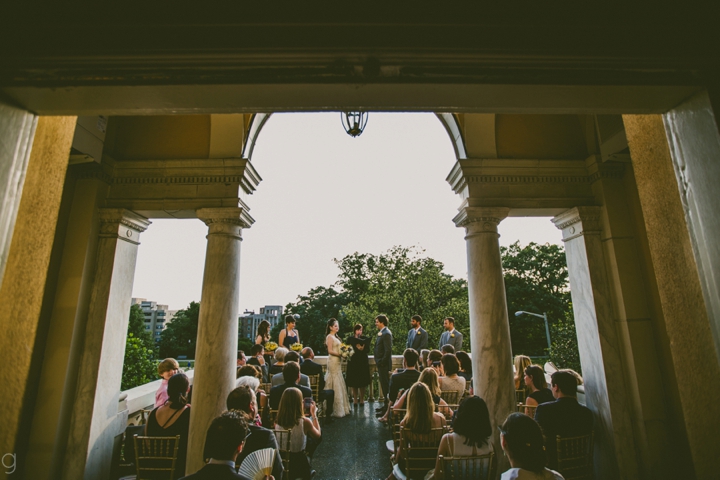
x=173 y=418
x=522 y=441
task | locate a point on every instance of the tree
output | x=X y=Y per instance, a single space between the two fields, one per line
x=136 y=326
x=536 y=280
x=180 y=335
x=139 y=366
x=399 y=283
x=245 y=344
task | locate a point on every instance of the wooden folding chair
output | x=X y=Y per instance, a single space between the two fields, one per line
x=283 y=441
x=481 y=467
x=452 y=398
x=520 y=396
x=396 y=418
x=315 y=387
x=528 y=410
x=575 y=457
x=156 y=457
x=420 y=452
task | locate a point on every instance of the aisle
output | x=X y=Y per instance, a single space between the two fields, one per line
x=353 y=447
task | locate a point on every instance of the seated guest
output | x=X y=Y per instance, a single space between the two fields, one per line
x=260 y=397
x=173 y=418
x=166 y=369
x=309 y=367
x=257 y=358
x=242 y=400
x=424 y=353
x=403 y=379
x=430 y=378
x=434 y=360
x=465 y=366
x=539 y=391
x=521 y=362
x=277 y=379
x=241 y=359
x=419 y=421
x=277 y=367
x=471 y=433
x=223 y=443
x=565 y=416
x=447 y=349
x=291 y=376
x=522 y=441
x=290 y=417
x=451 y=380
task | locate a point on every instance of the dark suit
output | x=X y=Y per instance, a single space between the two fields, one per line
x=404 y=379
x=417 y=340
x=383 y=358
x=276 y=393
x=564 y=417
x=215 y=472
x=258 y=439
x=264 y=368
x=311 y=368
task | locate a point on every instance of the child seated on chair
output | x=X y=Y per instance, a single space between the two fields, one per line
x=166 y=369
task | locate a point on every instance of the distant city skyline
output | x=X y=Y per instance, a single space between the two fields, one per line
x=325 y=195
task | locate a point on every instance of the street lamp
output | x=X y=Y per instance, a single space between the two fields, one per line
x=544 y=317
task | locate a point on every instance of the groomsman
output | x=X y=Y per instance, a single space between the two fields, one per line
x=417 y=336
x=383 y=357
x=450 y=336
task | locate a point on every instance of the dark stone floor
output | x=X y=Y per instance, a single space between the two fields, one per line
x=353 y=447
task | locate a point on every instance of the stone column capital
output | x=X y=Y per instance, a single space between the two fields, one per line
x=481 y=219
x=122 y=224
x=228 y=215
x=579 y=221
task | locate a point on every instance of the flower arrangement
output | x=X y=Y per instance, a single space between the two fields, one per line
x=296 y=347
x=346 y=351
x=270 y=346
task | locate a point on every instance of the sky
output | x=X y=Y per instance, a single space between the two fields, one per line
x=325 y=195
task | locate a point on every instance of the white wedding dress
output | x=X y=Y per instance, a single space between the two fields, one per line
x=334 y=380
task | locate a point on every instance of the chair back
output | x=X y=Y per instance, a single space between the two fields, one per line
x=156 y=457
x=283 y=441
x=397 y=417
x=452 y=398
x=315 y=388
x=480 y=467
x=528 y=410
x=575 y=457
x=265 y=387
x=420 y=450
x=520 y=395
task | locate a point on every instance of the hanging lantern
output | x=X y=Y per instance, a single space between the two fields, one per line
x=354 y=122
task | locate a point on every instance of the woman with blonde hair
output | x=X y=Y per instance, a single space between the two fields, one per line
x=521 y=362
x=419 y=422
x=290 y=417
x=429 y=377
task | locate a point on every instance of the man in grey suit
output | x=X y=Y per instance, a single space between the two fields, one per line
x=383 y=358
x=417 y=336
x=450 y=336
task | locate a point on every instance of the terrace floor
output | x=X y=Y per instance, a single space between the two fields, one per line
x=353 y=447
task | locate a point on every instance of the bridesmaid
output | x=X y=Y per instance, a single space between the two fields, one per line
x=263 y=336
x=289 y=335
x=358 y=367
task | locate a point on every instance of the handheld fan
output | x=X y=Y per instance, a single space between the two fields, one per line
x=258 y=464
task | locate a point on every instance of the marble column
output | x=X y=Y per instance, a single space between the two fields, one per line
x=598 y=342
x=216 y=354
x=489 y=326
x=95 y=418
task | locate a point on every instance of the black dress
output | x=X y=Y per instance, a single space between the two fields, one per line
x=543 y=395
x=358 y=367
x=181 y=427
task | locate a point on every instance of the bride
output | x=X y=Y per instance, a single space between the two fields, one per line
x=334 y=379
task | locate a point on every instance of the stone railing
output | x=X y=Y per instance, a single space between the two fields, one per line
x=138 y=399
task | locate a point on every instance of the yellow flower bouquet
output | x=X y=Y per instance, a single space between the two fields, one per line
x=346 y=351
x=296 y=347
x=270 y=346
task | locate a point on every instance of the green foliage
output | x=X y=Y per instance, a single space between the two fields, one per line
x=536 y=280
x=180 y=335
x=564 y=350
x=139 y=366
x=399 y=283
x=136 y=326
x=245 y=344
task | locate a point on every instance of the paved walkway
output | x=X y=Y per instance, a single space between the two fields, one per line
x=353 y=447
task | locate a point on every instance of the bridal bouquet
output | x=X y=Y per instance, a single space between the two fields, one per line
x=346 y=351
x=270 y=346
x=296 y=347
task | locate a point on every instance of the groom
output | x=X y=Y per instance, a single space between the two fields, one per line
x=383 y=358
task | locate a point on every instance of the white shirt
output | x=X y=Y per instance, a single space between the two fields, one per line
x=521 y=474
